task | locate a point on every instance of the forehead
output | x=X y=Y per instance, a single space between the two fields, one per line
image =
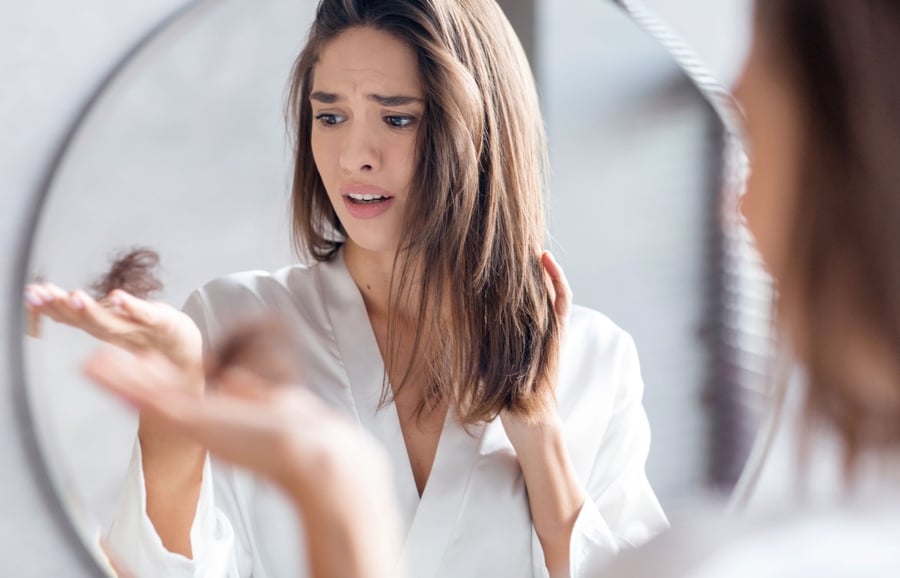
x=364 y=57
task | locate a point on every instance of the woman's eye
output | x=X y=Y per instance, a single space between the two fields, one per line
x=399 y=121
x=328 y=119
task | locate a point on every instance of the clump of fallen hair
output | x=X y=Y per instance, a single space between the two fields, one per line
x=134 y=271
x=263 y=345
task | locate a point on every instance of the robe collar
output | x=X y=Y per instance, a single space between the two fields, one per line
x=429 y=521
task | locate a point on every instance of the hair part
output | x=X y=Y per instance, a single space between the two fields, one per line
x=485 y=333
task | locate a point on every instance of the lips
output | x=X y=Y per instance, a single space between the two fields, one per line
x=366 y=201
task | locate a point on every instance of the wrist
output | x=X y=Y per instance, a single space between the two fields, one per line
x=535 y=440
x=349 y=473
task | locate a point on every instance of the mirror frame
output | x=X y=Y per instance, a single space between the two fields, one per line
x=722 y=392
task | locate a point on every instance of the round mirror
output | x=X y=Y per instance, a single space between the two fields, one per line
x=185 y=151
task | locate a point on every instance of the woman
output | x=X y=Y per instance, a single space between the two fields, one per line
x=428 y=316
x=822 y=99
x=821 y=92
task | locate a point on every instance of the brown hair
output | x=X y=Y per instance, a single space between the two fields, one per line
x=840 y=58
x=132 y=270
x=475 y=227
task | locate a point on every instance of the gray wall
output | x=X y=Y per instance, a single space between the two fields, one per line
x=54 y=53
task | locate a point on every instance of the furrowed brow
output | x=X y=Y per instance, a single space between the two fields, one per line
x=395 y=100
x=324 y=97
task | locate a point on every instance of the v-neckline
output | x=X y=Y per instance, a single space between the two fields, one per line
x=365 y=368
x=457 y=448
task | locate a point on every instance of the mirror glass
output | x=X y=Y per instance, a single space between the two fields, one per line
x=186 y=152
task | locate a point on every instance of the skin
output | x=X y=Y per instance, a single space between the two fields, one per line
x=358 y=140
x=773 y=131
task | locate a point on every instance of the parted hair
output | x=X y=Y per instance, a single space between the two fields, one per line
x=840 y=59
x=486 y=337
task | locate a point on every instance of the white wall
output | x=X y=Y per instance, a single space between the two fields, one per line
x=54 y=53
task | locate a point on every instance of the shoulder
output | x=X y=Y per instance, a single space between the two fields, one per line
x=598 y=361
x=591 y=333
x=264 y=287
x=292 y=292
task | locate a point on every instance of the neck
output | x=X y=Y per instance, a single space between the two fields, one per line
x=373 y=272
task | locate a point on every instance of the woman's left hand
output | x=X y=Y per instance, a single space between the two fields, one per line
x=518 y=428
x=554 y=492
x=560 y=290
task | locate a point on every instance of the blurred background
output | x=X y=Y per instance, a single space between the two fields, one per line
x=57 y=52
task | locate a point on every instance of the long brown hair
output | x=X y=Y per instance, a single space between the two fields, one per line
x=840 y=59
x=486 y=334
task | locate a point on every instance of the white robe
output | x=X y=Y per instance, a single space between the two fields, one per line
x=473 y=519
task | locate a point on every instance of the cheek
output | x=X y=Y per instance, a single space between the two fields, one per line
x=323 y=155
x=758 y=210
x=406 y=155
x=767 y=203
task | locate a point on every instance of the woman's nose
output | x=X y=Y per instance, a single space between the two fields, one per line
x=360 y=153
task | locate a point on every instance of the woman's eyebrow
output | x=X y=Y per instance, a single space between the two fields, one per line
x=395 y=100
x=324 y=97
x=331 y=98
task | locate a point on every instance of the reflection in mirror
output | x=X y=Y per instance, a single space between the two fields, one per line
x=186 y=153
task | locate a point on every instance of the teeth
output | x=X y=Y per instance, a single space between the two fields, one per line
x=358 y=197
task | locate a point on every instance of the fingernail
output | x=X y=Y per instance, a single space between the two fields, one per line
x=32 y=298
x=77 y=302
x=116 y=300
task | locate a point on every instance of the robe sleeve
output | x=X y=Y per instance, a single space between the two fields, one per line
x=620 y=509
x=134 y=542
x=132 y=538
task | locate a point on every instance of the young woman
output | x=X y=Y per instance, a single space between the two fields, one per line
x=512 y=421
x=821 y=92
x=822 y=99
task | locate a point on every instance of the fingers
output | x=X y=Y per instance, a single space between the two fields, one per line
x=137 y=309
x=147 y=383
x=35 y=295
x=118 y=320
x=221 y=421
x=33 y=328
x=59 y=305
x=33 y=302
x=562 y=300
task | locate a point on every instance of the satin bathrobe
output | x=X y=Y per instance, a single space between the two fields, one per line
x=473 y=518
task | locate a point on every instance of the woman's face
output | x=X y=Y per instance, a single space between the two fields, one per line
x=367 y=105
x=774 y=139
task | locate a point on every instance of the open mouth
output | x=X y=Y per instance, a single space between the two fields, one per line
x=361 y=199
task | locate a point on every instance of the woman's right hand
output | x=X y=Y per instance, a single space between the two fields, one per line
x=172 y=462
x=287 y=434
x=126 y=321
